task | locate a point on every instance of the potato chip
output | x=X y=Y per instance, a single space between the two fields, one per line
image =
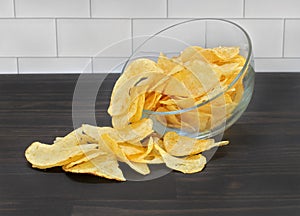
x=190 y=54
x=139 y=110
x=137 y=67
x=132 y=149
x=57 y=139
x=226 y=53
x=96 y=132
x=87 y=157
x=113 y=145
x=135 y=132
x=225 y=70
x=189 y=164
x=134 y=113
x=182 y=146
x=103 y=165
x=183 y=83
x=173 y=120
x=132 y=133
x=45 y=156
x=76 y=137
x=144 y=153
x=205 y=75
x=140 y=72
x=151 y=100
x=169 y=66
x=150 y=156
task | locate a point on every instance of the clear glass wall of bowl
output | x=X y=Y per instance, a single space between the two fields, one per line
x=224 y=101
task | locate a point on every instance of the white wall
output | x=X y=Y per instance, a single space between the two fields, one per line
x=62 y=36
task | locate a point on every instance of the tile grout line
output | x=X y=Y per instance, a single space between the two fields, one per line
x=14 y=5
x=92 y=65
x=167 y=7
x=90 y=1
x=152 y=18
x=56 y=37
x=205 y=35
x=244 y=8
x=18 y=69
x=277 y=58
x=283 y=37
x=66 y=57
x=131 y=32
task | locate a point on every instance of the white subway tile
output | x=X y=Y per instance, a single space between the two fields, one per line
x=54 y=65
x=277 y=65
x=27 y=37
x=8 y=66
x=205 y=8
x=129 y=8
x=52 y=8
x=272 y=8
x=94 y=37
x=6 y=8
x=171 y=41
x=108 y=65
x=266 y=36
x=292 y=38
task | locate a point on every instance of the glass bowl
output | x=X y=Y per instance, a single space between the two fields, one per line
x=224 y=101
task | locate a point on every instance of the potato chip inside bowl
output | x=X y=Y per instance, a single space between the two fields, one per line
x=197 y=87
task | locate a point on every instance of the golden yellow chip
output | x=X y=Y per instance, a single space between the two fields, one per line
x=139 y=110
x=151 y=100
x=169 y=66
x=136 y=131
x=132 y=133
x=190 y=164
x=140 y=72
x=150 y=155
x=113 y=145
x=144 y=153
x=190 y=54
x=103 y=165
x=86 y=157
x=134 y=113
x=182 y=146
x=45 y=156
x=132 y=149
x=226 y=53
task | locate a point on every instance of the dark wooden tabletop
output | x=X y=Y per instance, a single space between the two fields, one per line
x=257 y=174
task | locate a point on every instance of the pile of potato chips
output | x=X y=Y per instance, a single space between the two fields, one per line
x=175 y=84
x=171 y=84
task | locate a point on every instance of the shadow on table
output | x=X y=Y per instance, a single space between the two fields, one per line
x=77 y=177
x=88 y=178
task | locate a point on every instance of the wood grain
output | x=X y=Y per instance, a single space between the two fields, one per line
x=257 y=174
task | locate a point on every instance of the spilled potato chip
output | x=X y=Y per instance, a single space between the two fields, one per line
x=44 y=156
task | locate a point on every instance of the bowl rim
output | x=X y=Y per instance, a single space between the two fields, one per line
x=243 y=70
